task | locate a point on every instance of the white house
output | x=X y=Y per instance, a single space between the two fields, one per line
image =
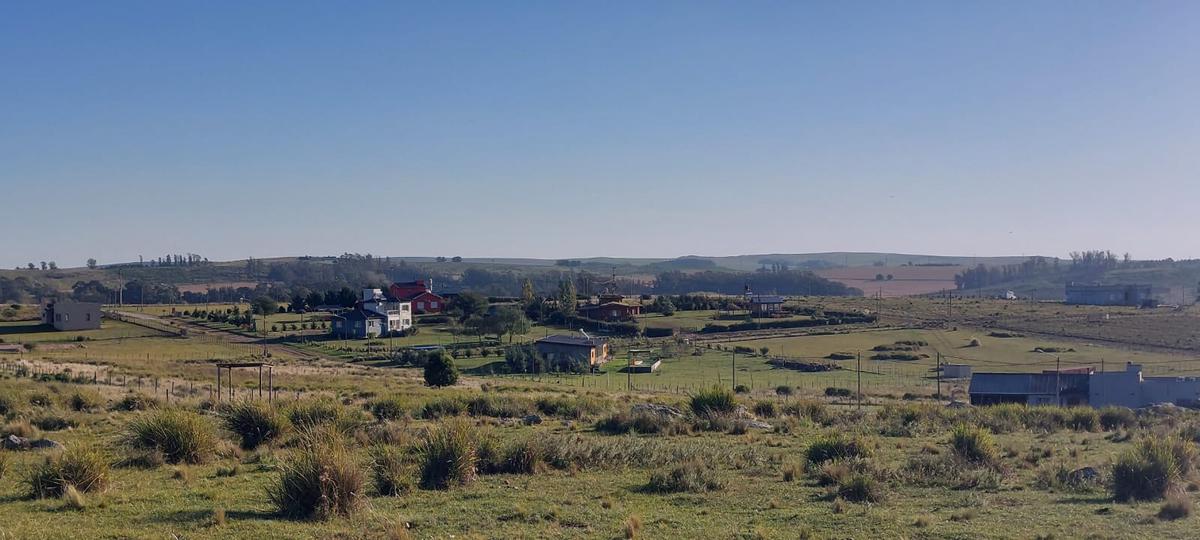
x=398 y=313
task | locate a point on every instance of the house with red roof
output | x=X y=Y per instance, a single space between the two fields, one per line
x=420 y=294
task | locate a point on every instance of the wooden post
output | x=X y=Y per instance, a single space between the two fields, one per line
x=260 y=382
x=270 y=384
x=218 y=383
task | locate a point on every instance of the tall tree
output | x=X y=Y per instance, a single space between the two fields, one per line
x=467 y=304
x=566 y=297
x=512 y=321
x=527 y=295
x=91 y=263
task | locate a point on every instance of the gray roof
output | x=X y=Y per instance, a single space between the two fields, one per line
x=766 y=299
x=1013 y=383
x=359 y=315
x=576 y=341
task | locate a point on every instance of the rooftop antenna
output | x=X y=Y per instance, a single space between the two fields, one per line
x=585 y=334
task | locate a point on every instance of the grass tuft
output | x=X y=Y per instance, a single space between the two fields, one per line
x=692 y=476
x=321 y=480
x=181 y=436
x=86 y=468
x=254 y=422
x=448 y=455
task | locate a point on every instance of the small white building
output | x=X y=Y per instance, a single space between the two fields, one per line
x=956 y=371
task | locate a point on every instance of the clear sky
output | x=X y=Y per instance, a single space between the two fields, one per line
x=572 y=129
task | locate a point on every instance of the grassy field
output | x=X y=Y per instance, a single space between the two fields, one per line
x=583 y=481
x=35 y=332
x=753 y=494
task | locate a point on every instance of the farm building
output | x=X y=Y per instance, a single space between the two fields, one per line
x=1084 y=386
x=610 y=311
x=765 y=305
x=1045 y=388
x=420 y=295
x=358 y=324
x=1109 y=295
x=1130 y=389
x=956 y=371
x=588 y=349
x=71 y=315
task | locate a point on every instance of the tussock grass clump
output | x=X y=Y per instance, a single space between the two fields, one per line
x=1083 y=419
x=692 y=476
x=389 y=408
x=448 y=455
x=321 y=480
x=84 y=400
x=765 y=409
x=21 y=428
x=837 y=447
x=713 y=401
x=1060 y=477
x=181 y=436
x=632 y=526
x=1112 y=418
x=645 y=422
x=3 y=464
x=41 y=399
x=861 y=487
x=815 y=411
x=392 y=470
x=1177 y=506
x=72 y=499
x=949 y=471
x=254 y=422
x=573 y=408
x=1150 y=469
x=54 y=422
x=8 y=405
x=500 y=406
x=135 y=402
x=974 y=444
x=442 y=407
x=84 y=467
x=309 y=414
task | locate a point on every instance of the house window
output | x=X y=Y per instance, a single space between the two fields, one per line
x=420 y=305
x=433 y=305
x=87 y=317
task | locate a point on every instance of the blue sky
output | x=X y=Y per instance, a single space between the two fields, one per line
x=571 y=129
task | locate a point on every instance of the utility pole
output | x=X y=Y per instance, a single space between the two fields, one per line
x=859 y=370
x=938 y=372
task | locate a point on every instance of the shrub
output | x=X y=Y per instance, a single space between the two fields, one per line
x=861 y=487
x=181 y=436
x=448 y=455
x=1117 y=418
x=691 y=476
x=85 y=467
x=254 y=422
x=714 y=400
x=440 y=371
x=321 y=480
x=741 y=389
x=838 y=392
x=567 y=407
x=391 y=470
x=837 y=446
x=973 y=444
x=1147 y=471
x=784 y=390
x=135 y=402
